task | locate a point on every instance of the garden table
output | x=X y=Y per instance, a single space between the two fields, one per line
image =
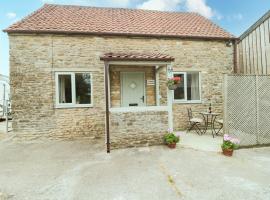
x=209 y=120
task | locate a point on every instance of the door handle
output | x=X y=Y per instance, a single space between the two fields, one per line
x=142 y=99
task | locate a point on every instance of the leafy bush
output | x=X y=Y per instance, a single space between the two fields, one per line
x=171 y=138
x=229 y=142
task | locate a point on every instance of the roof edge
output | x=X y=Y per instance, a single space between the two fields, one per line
x=255 y=25
x=25 y=18
x=117 y=34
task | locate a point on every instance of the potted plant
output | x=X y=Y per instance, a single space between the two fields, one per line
x=171 y=139
x=229 y=144
x=173 y=83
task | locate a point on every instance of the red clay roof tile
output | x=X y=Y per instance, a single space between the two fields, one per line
x=117 y=21
x=136 y=56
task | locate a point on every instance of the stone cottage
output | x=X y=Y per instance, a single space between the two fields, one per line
x=102 y=72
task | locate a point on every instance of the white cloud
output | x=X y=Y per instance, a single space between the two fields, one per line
x=161 y=5
x=11 y=15
x=200 y=7
x=232 y=17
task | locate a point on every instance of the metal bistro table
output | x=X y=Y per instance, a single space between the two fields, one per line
x=209 y=120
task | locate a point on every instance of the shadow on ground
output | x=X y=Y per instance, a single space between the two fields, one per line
x=82 y=170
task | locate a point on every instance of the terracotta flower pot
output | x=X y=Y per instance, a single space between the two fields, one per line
x=227 y=152
x=172 y=146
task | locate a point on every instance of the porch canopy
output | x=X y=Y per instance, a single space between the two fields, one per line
x=136 y=61
x=136 y=57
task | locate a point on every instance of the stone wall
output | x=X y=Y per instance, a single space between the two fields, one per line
x=132 y=129
x=115 y=83
x=34 y=59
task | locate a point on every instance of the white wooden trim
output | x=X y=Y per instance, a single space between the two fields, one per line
x=73 y=88
x=188 y=102
x=57 y=89
x=185 y=89
x=73 y=91
x=170 y=99
x=185 y=101
x=139 y=109
x=157 y=85
x=200 y=85
x=74 y=106
x=66 y=69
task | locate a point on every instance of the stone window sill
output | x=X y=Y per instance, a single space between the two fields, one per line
x=187 y=102
x=74 y=106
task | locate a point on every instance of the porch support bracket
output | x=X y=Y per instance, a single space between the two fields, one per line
x=157 y=68
x=170 y=98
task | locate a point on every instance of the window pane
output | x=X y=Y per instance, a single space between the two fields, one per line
x=193 y=86
x=65 y=94
x=83 y=88
x=179 y=93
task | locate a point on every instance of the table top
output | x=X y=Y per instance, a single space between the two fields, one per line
x=207 y=113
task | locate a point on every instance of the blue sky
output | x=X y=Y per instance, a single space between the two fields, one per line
x=233 y=15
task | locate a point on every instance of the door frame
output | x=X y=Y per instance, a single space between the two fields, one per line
x=121 y=87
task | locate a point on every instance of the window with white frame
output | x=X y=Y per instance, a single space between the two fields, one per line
x=73 y=89
x=190 y=87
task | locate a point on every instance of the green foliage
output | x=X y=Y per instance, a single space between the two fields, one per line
x=170 y=138
x=229 y=145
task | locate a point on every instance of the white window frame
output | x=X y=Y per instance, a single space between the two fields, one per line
x=73 y=90
x=185 y=89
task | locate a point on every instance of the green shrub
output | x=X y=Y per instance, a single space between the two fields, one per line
x=170 y=138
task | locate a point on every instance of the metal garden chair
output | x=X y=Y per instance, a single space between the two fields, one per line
x=194 y=123
x=220 y=122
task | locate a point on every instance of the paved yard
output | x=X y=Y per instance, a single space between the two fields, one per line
x=82 y=170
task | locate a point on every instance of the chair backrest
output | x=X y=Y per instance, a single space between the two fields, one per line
x=189 y=113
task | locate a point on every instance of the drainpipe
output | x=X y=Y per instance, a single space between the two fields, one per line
x=107 y=114
x=4 y=98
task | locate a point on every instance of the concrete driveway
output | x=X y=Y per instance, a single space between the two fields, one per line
x=82 y=170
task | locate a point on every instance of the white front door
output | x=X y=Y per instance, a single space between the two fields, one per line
x=133 y=89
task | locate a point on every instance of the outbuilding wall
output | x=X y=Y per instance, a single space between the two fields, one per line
x=253 y=48
x=34 y=59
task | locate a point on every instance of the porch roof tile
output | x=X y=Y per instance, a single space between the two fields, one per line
x=136 y=57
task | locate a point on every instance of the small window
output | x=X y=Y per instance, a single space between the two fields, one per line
x=83 y=88
x=73 y=89
x=189 y=89
x=65 y=91
x=179 y=93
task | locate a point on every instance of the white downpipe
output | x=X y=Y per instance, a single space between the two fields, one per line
x=4 y=99
x=6 y=110
x=170 y=98
x=157 y=86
